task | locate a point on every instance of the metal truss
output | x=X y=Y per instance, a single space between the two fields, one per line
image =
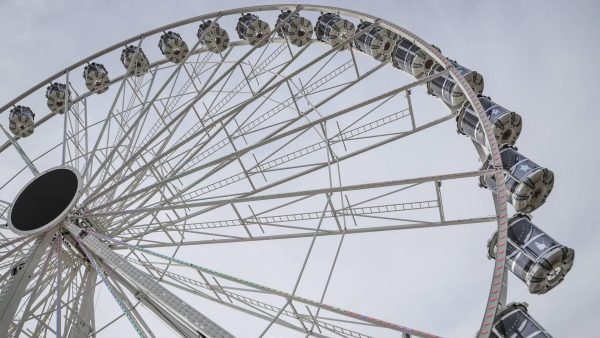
x=256 y=143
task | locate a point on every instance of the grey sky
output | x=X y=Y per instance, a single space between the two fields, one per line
x=537 y=58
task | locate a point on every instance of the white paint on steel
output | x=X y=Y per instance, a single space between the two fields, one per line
x=496 y=288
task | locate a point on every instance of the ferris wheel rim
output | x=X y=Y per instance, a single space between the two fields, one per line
x=470 y=95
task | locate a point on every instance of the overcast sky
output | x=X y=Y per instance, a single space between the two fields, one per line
x=538 y=58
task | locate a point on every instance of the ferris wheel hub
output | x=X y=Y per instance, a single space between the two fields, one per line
x=45 y=201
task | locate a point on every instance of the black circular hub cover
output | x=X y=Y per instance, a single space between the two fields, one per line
x=44 y=199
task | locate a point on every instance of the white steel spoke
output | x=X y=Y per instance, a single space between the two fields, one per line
x=260 y=140
x=263 y=309
x=66 y=117
x=273 y=138
x=287 y=296
x=33 y=295
x=110 y=115
x=147 y=284
x=11 y=293
x=268 y=89
x=301 y=273
x=22 y=153
x=312 y=192
x=103 y=277
x=58 y=243
x=195 y=100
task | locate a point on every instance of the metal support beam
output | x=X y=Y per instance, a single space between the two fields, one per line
x=312 y=192
x=158 y=310
x=438 y=192
x=285 y=295
x=21 y=152
x=22 y=273
x=148 y=284
x=311 y=233
x=84 y=322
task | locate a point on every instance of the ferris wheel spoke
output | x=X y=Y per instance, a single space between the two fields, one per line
x=198 y=97
x=124 y=157
x=123 y=126
x=9 y=243
x=128 y=149
x=85 y=126
x=59 y=272
x=4 y=205
x=15 y=287
x=162 y=146
x=251 y=305
x=145 y=282
x=376 y=205
x=83 y=156
x=302 y=269
x=46 y=308
x=285 y=66
x=232 y=142
x=171 y=101
x=58 y=282
x=194 y=78
x=110 y=116
x=276 y=85
x=104 y=278
x=130 y=303
x=215 y=108
x=275 y=110
x=79 y=306
x=81 y=133
x=66 y=117
x=144 y=103
x=16 y=249
x=212 y=110
x=167 y=317
x=326 y=286
x=236 y=301
x=21 y=152
x=41 y=304
x=75 y=145
x=313 y=107
x=159 y=175
x=171 y=104
x=263 y=142
x=155 y=173
x=360 y=229
x=34 y=293
x=323 y=165
x=199 y=152
x=157 y=124
x=42 y=328
x=241 y=284
x=153 y=153
x=358 y=105
x=74 y=322
x=264 y=166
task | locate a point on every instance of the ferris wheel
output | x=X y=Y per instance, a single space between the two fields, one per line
x=254 y=125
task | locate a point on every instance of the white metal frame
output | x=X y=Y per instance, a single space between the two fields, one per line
x=110 y=215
